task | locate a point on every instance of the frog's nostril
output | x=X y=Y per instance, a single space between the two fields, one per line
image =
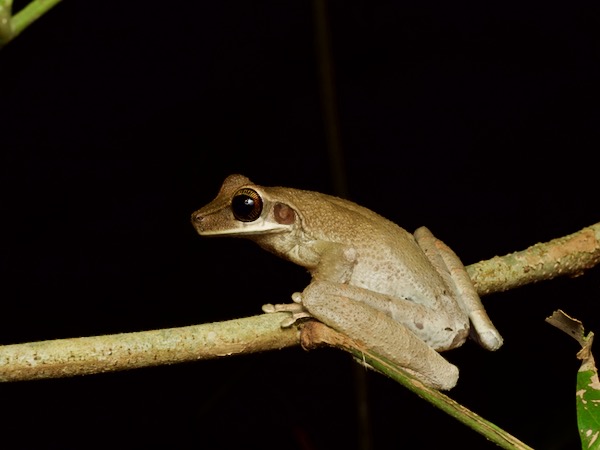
x=197 y=218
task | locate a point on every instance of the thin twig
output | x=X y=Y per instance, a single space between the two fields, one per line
x=11 y=27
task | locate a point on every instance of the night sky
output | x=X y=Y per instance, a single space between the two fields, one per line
x=119 y=120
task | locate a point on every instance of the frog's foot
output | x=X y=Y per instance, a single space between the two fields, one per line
x=484 y=332
x=297 y=309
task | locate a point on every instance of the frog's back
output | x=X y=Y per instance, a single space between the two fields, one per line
x=332 y=218
x=389 y=259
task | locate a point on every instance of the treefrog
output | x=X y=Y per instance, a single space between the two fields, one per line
x=404 y=296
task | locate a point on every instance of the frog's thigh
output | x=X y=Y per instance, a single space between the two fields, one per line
x=447 y=262
x=383 y=335
x=436 y=327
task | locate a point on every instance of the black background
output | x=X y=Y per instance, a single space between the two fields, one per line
x=119 y=120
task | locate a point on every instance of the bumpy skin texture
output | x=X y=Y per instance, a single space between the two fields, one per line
x=368 y=273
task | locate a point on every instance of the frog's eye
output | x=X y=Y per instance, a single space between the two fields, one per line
x=246 y=205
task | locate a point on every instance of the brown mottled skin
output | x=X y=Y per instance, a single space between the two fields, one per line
x=356 y=255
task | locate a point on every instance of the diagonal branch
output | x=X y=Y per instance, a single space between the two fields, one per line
x=315 y=334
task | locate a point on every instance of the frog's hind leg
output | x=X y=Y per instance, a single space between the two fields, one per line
x=456 y=276
x=379 y=332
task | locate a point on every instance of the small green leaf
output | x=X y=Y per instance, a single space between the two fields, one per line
x=588 y=408
x=588 y=384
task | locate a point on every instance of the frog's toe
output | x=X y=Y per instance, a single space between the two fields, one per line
x=485 y=332
x=286 y=323
x=296 y=309
x=490 y=339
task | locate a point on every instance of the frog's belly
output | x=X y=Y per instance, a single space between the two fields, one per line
x=420 y=302
x=398 y=281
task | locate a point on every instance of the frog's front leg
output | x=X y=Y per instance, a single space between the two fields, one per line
x=456 y=277
x=335 y=265
x=358 y=314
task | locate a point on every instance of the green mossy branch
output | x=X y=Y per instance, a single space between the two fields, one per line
x=570 y=255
